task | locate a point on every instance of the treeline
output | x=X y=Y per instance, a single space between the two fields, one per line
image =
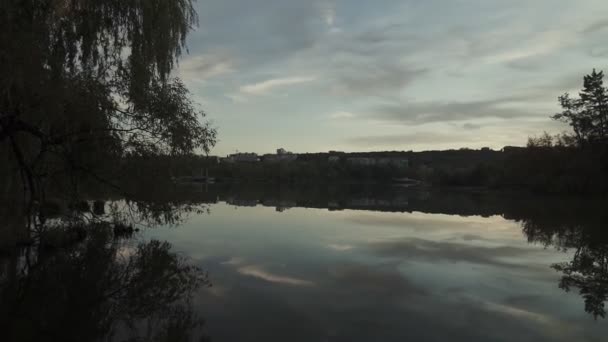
x=540 y=167
x=571 y=162
x=555 y=169
x=316 y=169
x=574 y=162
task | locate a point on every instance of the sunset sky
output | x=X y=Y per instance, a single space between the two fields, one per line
x=357 y=75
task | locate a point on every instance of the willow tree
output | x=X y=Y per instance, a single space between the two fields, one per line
x=81 y=80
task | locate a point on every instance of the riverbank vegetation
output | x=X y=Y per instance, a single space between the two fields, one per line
x=573 y=162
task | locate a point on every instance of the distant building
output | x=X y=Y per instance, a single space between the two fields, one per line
x=333 y=159
x=509 y=149
x=242 y=157
x=281 y=156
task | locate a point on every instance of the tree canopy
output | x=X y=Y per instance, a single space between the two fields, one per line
x=85 y=79
x=588 y=114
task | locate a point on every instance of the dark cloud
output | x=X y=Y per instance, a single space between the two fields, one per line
x=596 y=26
x=387 y=39
x=375 y=78
x=377 y=282
x=598 y=51
x=471 y=126
x=422 y=224
x=473 y=237
x=435 y=251
x=258 y=32
x=368 y=62
x=531 y=64
x=398 y=140
x=427 y=112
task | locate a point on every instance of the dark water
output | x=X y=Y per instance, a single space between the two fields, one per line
x=365 y=265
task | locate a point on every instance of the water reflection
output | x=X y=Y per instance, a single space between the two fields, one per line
x=567 y=224
x=79 y=279
x=274 y=281
x=584 y=233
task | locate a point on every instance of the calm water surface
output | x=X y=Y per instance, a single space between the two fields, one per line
x=318 y=265
x=311 y=274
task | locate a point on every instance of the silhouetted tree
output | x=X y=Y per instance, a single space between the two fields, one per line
x=587 y=115
x=82 y=81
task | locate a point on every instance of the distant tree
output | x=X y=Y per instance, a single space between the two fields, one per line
x=545 y=140
x=81 y=80
x=588 y=114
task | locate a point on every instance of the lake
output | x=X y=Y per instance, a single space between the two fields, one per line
x=385 y=265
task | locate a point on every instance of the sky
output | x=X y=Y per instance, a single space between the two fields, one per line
x=354 y=75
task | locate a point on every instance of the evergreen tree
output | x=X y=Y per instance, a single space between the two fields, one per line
x=594 y=99
x=587 y=115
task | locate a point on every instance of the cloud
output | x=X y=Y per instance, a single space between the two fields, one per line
x=434 y=251
x=354 y=280
x=395 y=64
x=341 y=115
x=372 y=76
x=598 y=51
x=266 y=86
x=520 y=313
x=596 y=26
x=235 y=261
x=472 y=237
x=471 y=126
x=397 y=140
x=532 y=46
x=261 y=33
x=260 y=273
x=236 y=97
x=203 y=67
x=426 y=112
x=339 y=247
x=328 y=13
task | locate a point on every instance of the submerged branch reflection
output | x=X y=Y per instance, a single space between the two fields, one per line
x=100 y=288
x=580 y=229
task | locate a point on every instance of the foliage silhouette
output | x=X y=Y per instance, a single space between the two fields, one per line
x=100 y=288
x=83 y=83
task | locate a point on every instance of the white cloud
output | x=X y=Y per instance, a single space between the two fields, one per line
x=264 y=87
x=339 y=247
x=234 y=261
x=260 y=273
x=341 y=115
x=328 y=13
x=236 y=97
x=539 y=44
x=204 y=67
